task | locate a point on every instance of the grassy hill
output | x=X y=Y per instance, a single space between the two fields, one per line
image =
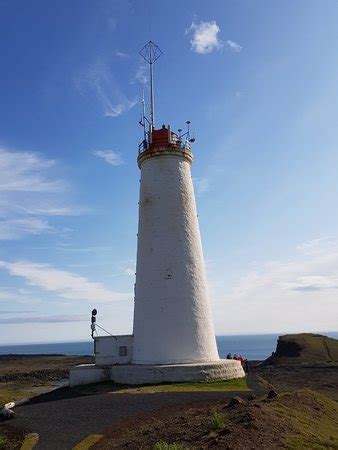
x=305 y=347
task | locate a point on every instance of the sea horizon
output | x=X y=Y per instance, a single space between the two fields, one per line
x=251 y=346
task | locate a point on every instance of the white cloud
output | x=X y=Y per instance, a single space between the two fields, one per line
x=201 y=185
x=122 y=55
x=98 y=80
x=130 y=272
x=295 y=295
x=94 y=249
x=141 y=75
x=5 y=295
x=66 y=285
x=55 y=211
x=117 y=110
x=112 y=23
x=45 y=319
x=23 y=171
x=17 y=228
x=29 y=193
x=205 y=37
x=109 y=157
x=234 y=46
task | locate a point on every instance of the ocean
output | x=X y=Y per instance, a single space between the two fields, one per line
x=252 y=347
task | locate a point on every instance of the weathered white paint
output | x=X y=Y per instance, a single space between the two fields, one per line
x=134 y=374
x=108 y=349
x=176 y=373
x=87 y=374
x=172 y=318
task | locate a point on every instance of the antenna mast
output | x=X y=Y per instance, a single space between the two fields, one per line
x=150 y=53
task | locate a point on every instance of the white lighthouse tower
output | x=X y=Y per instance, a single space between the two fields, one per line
x=172 y=318
x=173 y=335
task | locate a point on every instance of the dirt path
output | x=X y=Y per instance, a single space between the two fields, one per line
x=64 y=422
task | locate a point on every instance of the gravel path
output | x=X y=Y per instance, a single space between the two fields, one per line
x=64 y=422
x=61 y=424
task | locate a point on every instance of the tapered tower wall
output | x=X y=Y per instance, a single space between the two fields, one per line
x=172 y=318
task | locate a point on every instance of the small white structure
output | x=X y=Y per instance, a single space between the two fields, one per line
x=173 y=337
x=111 y=350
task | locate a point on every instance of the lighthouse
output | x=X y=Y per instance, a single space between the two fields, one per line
x=172 y=317
x=173 y=336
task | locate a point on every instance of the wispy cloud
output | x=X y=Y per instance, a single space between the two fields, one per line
x=5 y=295
x=141 y=75
x=111 y=23
x=130 y=272
x=17 y=228
x=109 y=156
x=233 y=46
x=23 y=171
x=98 y=80
x=94 y=249
x=30 y=193
x=54 y=211
x=45 y=319
x=298 y=294
x=201 y=185
x=66 y=285
x=122 y=55
x=315 y=270
x=205 y=37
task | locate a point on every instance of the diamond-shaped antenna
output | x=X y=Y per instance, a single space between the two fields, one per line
x=150 y=53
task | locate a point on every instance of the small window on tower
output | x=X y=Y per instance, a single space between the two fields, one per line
x=123 y=350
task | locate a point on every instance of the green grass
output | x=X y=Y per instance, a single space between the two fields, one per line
x=9 y=392
x=3 y=441
x=314 y=347
x=217 y=421
x=238 y=384
x=264 y=382
x=7 y=444
x=164 y=446
x=317 y=430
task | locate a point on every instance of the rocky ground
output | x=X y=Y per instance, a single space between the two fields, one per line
x=301 y=410
x=27 y=375
x=301 y=419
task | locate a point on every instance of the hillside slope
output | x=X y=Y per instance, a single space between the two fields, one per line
x=303 y=419
x=304 y=347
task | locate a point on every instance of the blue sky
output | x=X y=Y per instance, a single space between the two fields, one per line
x=257 y=79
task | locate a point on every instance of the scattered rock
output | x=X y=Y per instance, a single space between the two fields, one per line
x=234 y=401
x=272 y=394
x=251 y=397
x=225 y=431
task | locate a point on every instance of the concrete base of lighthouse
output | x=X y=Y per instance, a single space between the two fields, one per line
x=137 y=374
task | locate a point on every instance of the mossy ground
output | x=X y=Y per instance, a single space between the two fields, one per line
x=238 y=384
x=10 y=441
x=313 y=419
x=12 y=391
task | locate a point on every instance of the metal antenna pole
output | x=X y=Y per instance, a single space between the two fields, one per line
x=152 y=119
x=144 y=115
x=150 y=53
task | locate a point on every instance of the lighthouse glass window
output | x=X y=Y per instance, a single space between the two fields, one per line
x=123 y=350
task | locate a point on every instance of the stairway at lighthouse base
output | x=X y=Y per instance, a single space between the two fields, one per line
x=137 y=374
